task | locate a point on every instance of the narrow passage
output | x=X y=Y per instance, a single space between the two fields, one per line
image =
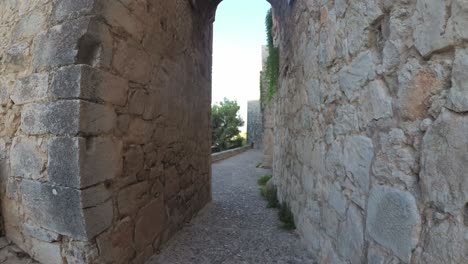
x=236 y=227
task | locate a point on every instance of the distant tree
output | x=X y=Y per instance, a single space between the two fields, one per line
x=226 y=120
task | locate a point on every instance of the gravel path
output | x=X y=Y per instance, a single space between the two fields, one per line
x=236 y=227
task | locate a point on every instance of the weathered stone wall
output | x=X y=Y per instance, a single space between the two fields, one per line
x=268 y=114
x=371 y=148
x=254 y=124
x=105 y=125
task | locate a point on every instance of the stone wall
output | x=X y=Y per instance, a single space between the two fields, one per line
x=268 y=114
x=105 y=125
x=254 y=124
x=105 y=116
x=371 y=148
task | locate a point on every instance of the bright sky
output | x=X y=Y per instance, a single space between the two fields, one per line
x=239 y=33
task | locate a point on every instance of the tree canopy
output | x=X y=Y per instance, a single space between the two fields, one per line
x=226 y=121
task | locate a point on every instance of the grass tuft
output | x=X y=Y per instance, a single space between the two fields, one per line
x=263 y=180
x=287 y=217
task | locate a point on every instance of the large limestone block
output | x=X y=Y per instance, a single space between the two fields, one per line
x=67 y=117
x=358 y=156
x=150 y=221
x=133 y=197
x=351 y=236
x=61 y=210
x=45 y=252
x=81 y=41
x=28 y=26
x=117 y=246
x=346 y=121
x=121 y=18
x=27 y=158
x=80 y=162
x=417 y=84
x=85 y=82
x=444 y=163
x=458 y=94
x=133 y=62
x=393 y=220
x=430 y=21
x=30 y=89
x=69 y=9
x=445 y=242
x=375 y=103
x=460 y=19
x=354 y=76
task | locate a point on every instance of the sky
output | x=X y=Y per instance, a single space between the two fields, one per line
x=239 y=33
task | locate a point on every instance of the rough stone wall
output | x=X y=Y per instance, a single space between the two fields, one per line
x=371 y=148
x=268 y=115
x=254 y=124
x=105 y=125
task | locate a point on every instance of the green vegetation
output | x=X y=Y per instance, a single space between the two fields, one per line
x=287 y=217
x=269 y=192
x=273 y=60
x=225 y=121
x=263 y=180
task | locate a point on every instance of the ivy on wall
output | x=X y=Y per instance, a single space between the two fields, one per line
x=273 y=60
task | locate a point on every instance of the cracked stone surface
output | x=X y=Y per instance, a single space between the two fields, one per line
x=11 y=254
x=236 y=227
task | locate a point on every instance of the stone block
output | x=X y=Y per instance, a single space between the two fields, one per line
x=45 y=252
x=139 y=131
x=97 y=119
x=116 y=246
x=40 y=233
x=358 y=156
x=60 y=209
x=98 y=218
x=133 y=161
x=416 y=85
x=337 y=200
x=59 y=117
x=67 y=117
x=120 y=17
x=30 y=89
x=80 y=162
x=393 y=220
x=346 y=121
x=431 y=27
x=28 y=26
x=351 y=237
x=4 y=92
x=152 y=108
x=133 y=197
x=137 y=102
x=85 y=82
x=69 y=9
x=355 y=76
x=458 y=94
x=81 y=41
x=444 y=163
x=58 y=46
x=132 y=62
x=95 y=195
x=151 y=220
x=445 y=242
x=27 y=159
x=80 y=252
x=375 y=103
x=17 y=57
